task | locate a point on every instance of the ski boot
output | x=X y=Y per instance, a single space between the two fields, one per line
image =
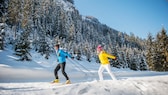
x=56 y=81
x=68 y=82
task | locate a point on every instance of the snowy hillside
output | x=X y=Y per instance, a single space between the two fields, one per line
x=32 y=78
x=42 y=23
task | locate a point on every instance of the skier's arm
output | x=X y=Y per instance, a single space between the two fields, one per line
x=67 y=54
x=110 y=56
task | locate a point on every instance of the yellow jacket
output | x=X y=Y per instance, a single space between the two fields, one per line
x=103 y=57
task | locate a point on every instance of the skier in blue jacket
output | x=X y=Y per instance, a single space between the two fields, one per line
x=61 y=58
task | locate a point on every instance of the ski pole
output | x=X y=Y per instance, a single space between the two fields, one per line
x=84 y=67
x=77 y=67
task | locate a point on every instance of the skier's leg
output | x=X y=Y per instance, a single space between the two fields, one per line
x=109 y=71
x=100 y=72
x=56 y=71
x=63 y=70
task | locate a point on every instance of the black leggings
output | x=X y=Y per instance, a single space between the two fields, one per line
x=62 y=66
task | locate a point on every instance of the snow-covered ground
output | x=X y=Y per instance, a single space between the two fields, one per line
x=133 y=86
x=32 y=78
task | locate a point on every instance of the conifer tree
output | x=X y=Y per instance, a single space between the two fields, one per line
x=44 y=48
x=143 y=65
x=115 y=63
x=133 y=65
x=149 y=55
x=159 y=51
x=22 y=47
x=162 y=49
x=1 y=42
x=2 y=36
x=128 y=60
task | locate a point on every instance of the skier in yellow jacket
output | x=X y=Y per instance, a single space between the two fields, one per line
x=105 y=64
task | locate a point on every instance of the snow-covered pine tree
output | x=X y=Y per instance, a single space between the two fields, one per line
x=2 y=36
x=149 y=51
x=161 y=42
x=133 y=65
x=164 y=40
x=115 y=63
x=155 y=57
x=128 y=60
x=124 y=60
x=22 y=46
x=143 y=64
x=3 y=10
x=159 y=52
x=1 y=42
x=44 y=48
x=166 y=51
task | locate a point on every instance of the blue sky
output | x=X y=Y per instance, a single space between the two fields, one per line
x=130 y=16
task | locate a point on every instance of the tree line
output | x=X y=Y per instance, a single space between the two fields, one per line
x=39 y=24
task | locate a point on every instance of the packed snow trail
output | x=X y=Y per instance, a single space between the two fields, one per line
x=157 y=85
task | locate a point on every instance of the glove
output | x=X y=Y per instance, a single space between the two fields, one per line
x=72 y=57
x=115 y=58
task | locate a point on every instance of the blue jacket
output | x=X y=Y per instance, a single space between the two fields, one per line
x=61 y=56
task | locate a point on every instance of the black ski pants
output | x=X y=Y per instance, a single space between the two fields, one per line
x=57 y=68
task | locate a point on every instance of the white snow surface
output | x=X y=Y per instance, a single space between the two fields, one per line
x=136 y=86
x=34 y=77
